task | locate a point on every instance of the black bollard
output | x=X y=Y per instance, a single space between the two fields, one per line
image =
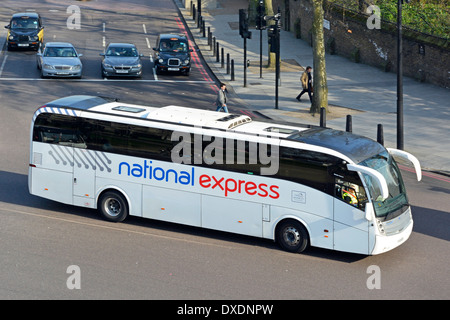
x=323 y=120
x=232 y=70
x=380 y=136
x=228 y=63
x=222 y=58
x=348 y=126
x=209 y=37
x=217 y=52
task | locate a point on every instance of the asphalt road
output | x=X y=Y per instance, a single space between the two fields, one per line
x=41 y=240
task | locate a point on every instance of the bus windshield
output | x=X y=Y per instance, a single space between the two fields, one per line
x=393 y=205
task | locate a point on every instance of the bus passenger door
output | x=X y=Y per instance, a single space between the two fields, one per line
x=85 y=163
x=351 y=229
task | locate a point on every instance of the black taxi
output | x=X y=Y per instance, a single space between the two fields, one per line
x=25 y=30
x=172 y=53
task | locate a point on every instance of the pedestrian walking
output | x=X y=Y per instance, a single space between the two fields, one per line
x=221 y=101
x=306 y=81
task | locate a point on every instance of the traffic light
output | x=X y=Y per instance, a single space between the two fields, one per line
x=272 y=37
x=260 y=21
x=243 y=25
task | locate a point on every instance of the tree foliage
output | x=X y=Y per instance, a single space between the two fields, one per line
x=427 y=16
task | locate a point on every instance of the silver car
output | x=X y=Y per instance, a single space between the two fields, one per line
x=121 y=59
x=59 y=59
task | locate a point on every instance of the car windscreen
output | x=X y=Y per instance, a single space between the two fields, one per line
x=122 y=52
x=60 y=52
x=24 y=23
x=171 y=45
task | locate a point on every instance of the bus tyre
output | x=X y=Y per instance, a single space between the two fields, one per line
x=113 y=206
x=292 y=236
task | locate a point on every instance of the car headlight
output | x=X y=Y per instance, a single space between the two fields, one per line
x=76 y=68
x=161 y=60
x=137 y=66
x=35 y=38
x=107 y=65
x=186 y=61
x=48 y=66
x=11 y=37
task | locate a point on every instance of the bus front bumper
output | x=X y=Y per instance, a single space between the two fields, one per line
x=387 y=243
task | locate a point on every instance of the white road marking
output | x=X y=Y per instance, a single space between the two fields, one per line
x=109 y=79
x=3 y=64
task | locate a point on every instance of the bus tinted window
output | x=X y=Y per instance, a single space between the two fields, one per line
x=307 y=167
x=58 y=129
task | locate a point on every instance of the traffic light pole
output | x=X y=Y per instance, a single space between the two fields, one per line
x=260 y=53
x=243 y=31
x=245 y=62
x=277 y=65
x=261 y=25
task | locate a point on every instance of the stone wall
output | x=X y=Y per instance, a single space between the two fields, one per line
x=349 y=36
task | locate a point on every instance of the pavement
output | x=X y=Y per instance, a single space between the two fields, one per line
x=366 y=93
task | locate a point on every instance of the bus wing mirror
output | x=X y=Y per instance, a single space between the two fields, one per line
x=368 y=211
x=378 y=177
x=407 y=156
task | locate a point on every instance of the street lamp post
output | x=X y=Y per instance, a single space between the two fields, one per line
x=400 y=137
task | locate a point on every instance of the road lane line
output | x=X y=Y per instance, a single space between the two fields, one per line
x=3 y=64
x=101 y=80
x=145 y=29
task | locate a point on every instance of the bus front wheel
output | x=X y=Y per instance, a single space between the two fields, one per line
x=292 y=236
x=113 y=206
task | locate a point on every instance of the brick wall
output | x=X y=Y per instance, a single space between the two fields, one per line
x=349 y=36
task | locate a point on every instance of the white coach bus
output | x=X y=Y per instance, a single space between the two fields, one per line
x=321 y=187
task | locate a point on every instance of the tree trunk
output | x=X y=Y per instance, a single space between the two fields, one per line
x=270 y=12
x=320 y=97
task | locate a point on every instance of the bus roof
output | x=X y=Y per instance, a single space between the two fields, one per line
x=357 y=148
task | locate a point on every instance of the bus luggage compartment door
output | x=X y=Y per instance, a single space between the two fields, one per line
x=51 y=172
x=232 y=215
x=84 y=166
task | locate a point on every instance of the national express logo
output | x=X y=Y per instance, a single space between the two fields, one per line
x=263 y=155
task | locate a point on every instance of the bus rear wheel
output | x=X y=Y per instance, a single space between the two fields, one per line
x=292 y=236
x=113 y=206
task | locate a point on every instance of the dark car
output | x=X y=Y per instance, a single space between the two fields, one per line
x=172 y=53
x=121 y=59
x=25 y=30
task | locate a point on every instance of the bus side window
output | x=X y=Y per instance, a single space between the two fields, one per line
x=351 y=193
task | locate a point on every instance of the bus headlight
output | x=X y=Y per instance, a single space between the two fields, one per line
x=380 y=227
